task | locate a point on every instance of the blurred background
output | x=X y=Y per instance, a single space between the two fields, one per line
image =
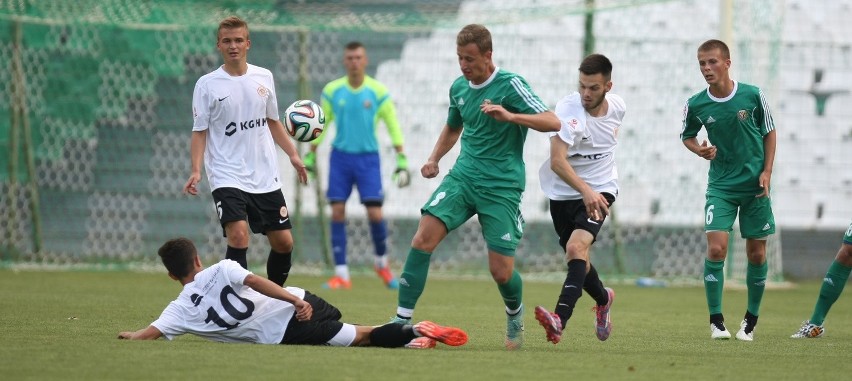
x=95 y=120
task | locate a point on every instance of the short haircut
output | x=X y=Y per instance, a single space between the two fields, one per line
x=596 y=64
x=177 y=255
x=476 y=34
x=232 y=22
x=716 y=44
x=354 y=45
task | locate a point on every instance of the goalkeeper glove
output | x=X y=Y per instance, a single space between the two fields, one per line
x=401 y=175
x=310 y=161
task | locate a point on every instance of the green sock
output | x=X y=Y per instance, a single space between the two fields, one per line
x=413 y=278
x=755 y=284
x=714 y=282
x=512 y=291
x=832 y=286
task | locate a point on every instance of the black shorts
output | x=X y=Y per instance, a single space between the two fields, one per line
x=569 y=215
x=323 y=326
x=263 y=211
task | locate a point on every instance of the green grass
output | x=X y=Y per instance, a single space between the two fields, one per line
x=63 y=325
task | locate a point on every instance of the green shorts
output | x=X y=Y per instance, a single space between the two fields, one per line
x=456 y=201
x=756 y=218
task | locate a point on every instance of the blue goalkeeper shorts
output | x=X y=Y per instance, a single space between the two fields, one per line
x=348 y=170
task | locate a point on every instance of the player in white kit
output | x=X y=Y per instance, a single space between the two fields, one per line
x=234 y=132
x=581 y=181
x=228 y=303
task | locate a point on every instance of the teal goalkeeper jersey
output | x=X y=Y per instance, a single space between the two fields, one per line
x=736 y=125
x=356 y=113
x=492 y=151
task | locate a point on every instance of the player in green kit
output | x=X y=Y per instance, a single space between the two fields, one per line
x=491 y=111
x=832 y=286
x=741 y=153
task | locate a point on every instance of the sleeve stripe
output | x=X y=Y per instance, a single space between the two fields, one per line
x=528 y=97
x=768 y=123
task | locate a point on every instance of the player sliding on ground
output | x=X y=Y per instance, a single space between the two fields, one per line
x=228 y=303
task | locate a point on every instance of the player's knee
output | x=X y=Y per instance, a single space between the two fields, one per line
x=844 y=255
x=576 y=250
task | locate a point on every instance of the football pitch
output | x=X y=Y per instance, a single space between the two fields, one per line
x=63 y=325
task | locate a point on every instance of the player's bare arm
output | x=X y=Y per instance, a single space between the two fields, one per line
x=543 y=121
x=446 y=141
x=597 y=207
x=272 y=290
x=704 y=150
x=148 y=333
x=197 y=145
x=283 y=140
x=768 y=162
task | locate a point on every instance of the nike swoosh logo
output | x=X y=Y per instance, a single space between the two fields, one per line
x=591 y=221
x=283 y=221
x=222 y=99
x=570 y=286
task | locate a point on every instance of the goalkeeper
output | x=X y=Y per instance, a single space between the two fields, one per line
x=356 y=102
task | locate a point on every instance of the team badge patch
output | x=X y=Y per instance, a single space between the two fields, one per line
x=262 y=91
x=284 y=212
x=573 y=123
x=367 y=104
x=742 y=114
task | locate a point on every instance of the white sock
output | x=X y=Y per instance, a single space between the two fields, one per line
x=405 y=312
x=382 y=261
x=342 y=271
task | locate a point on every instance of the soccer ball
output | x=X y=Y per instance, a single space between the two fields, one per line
x=304 y=120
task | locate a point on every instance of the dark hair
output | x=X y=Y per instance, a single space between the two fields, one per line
x=177 y=255
x=716 y=44
x=596 y=64
x=232 y=22
x=354 y=45
x=476 y=34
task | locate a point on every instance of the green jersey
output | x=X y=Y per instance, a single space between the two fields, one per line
x=492 y=151
x=736 y=125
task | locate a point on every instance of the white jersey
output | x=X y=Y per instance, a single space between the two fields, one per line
x=217 y=306
x=591 y=153
x=240 y=152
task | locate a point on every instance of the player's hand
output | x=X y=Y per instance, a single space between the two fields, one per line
x=496 y=111
x=706 y=151
x=191 y=186
x=430 y=169
x=301 y=171
x=597 y=207
x=764 y=180
x=310 y=160
x=401 y=175
x=303 y=310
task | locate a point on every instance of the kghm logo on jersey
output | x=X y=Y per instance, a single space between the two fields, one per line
x=742 y=114
x=231 y=128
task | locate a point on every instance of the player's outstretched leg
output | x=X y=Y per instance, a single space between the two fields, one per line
x=551 y=323
x=451 y=336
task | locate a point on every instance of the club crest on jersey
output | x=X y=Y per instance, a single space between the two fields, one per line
x=367 y=104
x=573 y=123
x=262 y=91
x=742 y=114
x=486 y=102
